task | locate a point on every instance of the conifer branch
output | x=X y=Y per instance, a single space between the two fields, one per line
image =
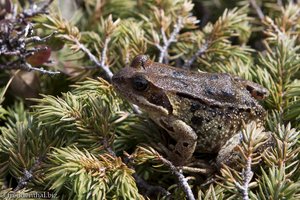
x=141 y=183
x=168 y=41
x=182 y=180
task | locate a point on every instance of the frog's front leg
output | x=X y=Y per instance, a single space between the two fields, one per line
x=185 y=137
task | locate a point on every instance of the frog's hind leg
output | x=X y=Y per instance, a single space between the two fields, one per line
x=185 y=137
x=228 y=154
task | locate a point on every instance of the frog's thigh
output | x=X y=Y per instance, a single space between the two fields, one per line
x=185 y=137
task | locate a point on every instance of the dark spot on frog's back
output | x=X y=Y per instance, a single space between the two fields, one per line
x=209 y=90
x=251 y=103
x=195 y=106
x=184 y=84
x=197 y=120
x=228 y=93
x=188 y=96
x=177 y=74
x=220 y=127
x=214 y=77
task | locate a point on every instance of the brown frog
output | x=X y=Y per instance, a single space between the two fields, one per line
x=201 y=111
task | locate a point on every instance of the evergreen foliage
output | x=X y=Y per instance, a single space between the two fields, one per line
x=80 y=140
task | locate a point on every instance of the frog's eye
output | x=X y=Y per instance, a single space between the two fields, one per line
x=139 y=83
x=139 y=61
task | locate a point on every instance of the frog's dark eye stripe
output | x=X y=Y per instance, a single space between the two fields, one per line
x=139 y=83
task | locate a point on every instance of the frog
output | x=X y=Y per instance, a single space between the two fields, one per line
x=203 y=112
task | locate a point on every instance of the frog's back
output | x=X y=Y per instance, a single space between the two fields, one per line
x=219 y=89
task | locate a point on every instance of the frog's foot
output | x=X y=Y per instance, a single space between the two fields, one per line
x=205 y=171
x=173 y=155
x=230 y=155
x=200 y=167
x=187 y=165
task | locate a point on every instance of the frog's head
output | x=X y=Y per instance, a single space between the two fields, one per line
x=133 y=79
x=135 y=84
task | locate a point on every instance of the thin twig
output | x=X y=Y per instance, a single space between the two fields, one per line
x=44 y=71
x=200 y=51
x=8 y=84
x=34 y=10
x=258 y=10
x=104 y=50
x=167 y=42
x=98 y=63
x=247 y=175
x=38 y=39
x=28 y=175
x=28 y=67
x=150 y=190
x=182 y=180
x=108 y=148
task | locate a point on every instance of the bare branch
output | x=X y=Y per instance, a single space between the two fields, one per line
x=28 y=175
x=247 y=175
x=44 y=71
x=35 y=10
x=182 y=180
x=93 y=58
x=200 y=51
x=16 y=34
x=28 y=67
x=167 y=42
x=150 y=189
x=104 y=50
x=38 y=39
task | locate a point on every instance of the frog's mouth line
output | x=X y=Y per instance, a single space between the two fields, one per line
x=144 y=104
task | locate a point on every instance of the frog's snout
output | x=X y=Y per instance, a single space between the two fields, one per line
x=117 y=79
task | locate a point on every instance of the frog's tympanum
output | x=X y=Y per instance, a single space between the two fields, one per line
x=200 y=111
